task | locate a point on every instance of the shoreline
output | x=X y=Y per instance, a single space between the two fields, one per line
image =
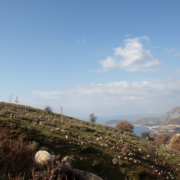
x=149 y=127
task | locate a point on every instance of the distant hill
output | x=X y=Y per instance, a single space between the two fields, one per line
x=155 y=121
x=112 y=122
x=174 y=122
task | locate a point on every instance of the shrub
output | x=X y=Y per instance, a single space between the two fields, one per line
x=48 y=109
x=15 y=156
x=125 y=126
x=175 y=142
x=162 y=139
x=145 y=134
x=152 y=151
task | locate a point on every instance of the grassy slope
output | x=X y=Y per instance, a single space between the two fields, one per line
x=89 y=157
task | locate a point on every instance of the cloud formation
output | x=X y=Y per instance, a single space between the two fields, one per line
x=120 y=96
x=133 y=57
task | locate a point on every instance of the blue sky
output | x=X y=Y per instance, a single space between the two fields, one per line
x=91 y=56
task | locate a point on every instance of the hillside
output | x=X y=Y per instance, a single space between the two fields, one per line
x=102 y=150
x=147 y=121
x=155 y=121
x=171 y=127
x=175 y=121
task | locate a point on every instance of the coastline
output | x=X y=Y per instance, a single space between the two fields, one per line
x=149 y=127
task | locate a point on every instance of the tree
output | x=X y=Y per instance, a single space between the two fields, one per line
x=125 y=126
x=48 y=109
x=162 y=139
x=92 y=117
x=145 y=134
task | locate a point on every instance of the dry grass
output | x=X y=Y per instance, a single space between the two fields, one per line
x=15 y=156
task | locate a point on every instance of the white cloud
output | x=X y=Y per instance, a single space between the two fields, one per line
x=133 y=57
x=120 y=96
x=78 y=41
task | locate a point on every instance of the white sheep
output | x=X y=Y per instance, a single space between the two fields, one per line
x=43 y=158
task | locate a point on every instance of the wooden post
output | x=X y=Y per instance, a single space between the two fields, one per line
x=11 y=99
x=61 y=118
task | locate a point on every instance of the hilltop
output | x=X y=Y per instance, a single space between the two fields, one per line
x=102 y=150
x=155 y=121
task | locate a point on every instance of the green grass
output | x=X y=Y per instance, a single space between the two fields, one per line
x=89 y=157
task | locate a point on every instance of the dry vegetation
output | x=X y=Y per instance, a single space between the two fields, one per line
x=102 y=150
x=175 y=142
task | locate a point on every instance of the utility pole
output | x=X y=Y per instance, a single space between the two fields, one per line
x=10 y=98
x=61 y=117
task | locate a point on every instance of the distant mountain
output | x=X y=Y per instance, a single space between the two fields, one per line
x=155 y=121
x=174 y=122
x=147 y=121
x=112 y=122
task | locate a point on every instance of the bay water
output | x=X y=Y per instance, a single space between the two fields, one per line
x=139 y=129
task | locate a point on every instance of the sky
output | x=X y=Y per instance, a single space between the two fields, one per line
x=118 y=59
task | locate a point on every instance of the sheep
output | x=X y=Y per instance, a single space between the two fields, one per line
x=43 y=158
x=68 y=162
x=57 y=129
x=40 y=123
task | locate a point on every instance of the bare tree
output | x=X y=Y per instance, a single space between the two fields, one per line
x=48 y=109
x=92 y=117
x=125 y=126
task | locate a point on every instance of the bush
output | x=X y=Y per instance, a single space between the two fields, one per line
x=175 y=142
x=15 y=156
x=125 y=126
x=145 y=134
x=162 y=139
x=48 y=109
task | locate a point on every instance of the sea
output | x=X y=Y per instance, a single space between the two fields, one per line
x=139 y=129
